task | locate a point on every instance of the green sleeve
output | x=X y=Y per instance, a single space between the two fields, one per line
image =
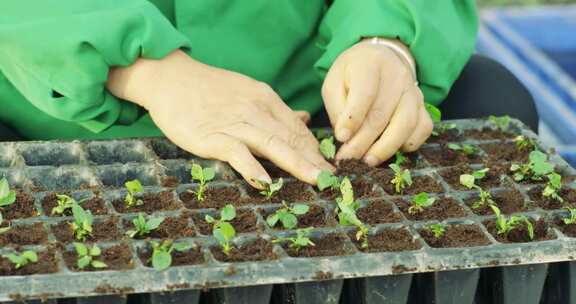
x=441 y=35
x=57 y=53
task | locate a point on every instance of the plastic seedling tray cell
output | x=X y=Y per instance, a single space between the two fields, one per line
x=401 y=255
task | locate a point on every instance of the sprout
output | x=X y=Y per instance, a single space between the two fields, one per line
x=22 y=259
x=162 y=253
x=346 y=211
x=222 y=230
x=402 y=178
x=271 y=188
x=536 y=168
x=86 y=256
x=502 y=122
x=287 y=215
x=203 y=176
x=465 y=148
x=553 y=187
x=134 y=188
x=524 y=143
x=505 y=226
x=327 y=147
x=65 y=204
x=82 y=225
x=420 y=201
x=301 y=240
x=144 y=226
x=7 y=196
x=327 y=180
x=570 y=220
x=436 y=229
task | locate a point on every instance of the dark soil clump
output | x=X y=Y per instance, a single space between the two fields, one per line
x=117 y=257
x=213 y=198
x=347 y=167
x=388 y=240
x=413 y=161
x=446 y=157
x=152 y=202
x=487 y=134
x=456 y=236
x=23 y=207
x=548 y=203
x=24 y=235
x=505 y=152
x=509 y=201
x=171 y=227
x=257 y=250
x=96 y=205
x=492 y=179
x=520 y=235
x=442 y=209
x=328 y=245
x=245 y=221
x=46 y=264
x=170 y=181
x=378 y=212
x=447 y=136
x=568 y=230
x=103 y=231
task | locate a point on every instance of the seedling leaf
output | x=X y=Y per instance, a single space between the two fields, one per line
x=327 y=147
x=7 y=196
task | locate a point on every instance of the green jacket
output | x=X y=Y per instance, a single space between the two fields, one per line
x=55 y=54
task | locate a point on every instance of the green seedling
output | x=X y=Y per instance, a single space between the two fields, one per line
x=87 y=256
x=134 y=188
x=346 y=211
x=328 y=148
x=524 y=143
x=222 y=230
x=326 y=180
x=402 y=178
x=571 y=219
x=553 y=187
x=301 y=240
x=464 y=148
x=271 y=188
x=436 y=229
x=436 y=117
x=420 y=201
x=434 y=112
x=143 y=226
x=443 y=127
x=536 y=168
x=3 y=229
x=287 y=215
x=400 y=159
x=22 y=259
x=501 y=122
x=505 y=226
x=7 y=196
x=82 y=225
x=202 y=176
x=321 y=134
x=469 y=181
x=162 y=253
x=65 y=204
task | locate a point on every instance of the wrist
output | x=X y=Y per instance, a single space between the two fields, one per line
x=399 y=48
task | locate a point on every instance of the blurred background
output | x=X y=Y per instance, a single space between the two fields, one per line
x=536 y=40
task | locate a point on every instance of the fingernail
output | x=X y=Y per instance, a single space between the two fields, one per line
x=371 y=160
x=343 y=135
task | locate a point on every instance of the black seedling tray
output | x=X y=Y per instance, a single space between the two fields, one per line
x=444 y=275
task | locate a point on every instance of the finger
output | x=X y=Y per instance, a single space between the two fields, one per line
x=376 y=121
x=303 y=115
x=295 y=133
x=398 y=131
x=422 y=132
x=228 y=149
x=334 y=91
x=363 y=83
x=272 y=147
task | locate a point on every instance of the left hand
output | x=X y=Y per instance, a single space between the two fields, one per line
x=374 y=103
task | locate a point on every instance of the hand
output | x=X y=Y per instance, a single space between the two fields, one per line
x=374 y=104
x=218 y=114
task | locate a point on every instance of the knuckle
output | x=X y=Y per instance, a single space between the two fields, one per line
x=376 y=117
x=272 y=140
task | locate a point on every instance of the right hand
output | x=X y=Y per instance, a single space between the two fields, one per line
x=219 y=114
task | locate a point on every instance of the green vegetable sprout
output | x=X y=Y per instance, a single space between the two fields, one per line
x=143 y=226
x=501 y=122
x=7 y=196
x=464 y=148
x=436 y=117
x=436 y=229
x=524 y=143
x=505 y=226
x=134 y=188
x=328 y=148
x=87 y=256
x=536 y=168
x=271 y=188
x=287 y=215
x=571 y=219
x=202 y=175
x=222 y=230
x=301 y=240
x=3 y=229
x=346 y=211
x=22 y=259
x=162 y=253
x=553 y=187
x=65 y=204
x=82 y=225
x=420 y=201
x=402 y=178
x=327 y=180
x=400 y=159
x=469 y=181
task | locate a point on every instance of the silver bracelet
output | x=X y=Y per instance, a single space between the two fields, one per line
x=407 y=58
